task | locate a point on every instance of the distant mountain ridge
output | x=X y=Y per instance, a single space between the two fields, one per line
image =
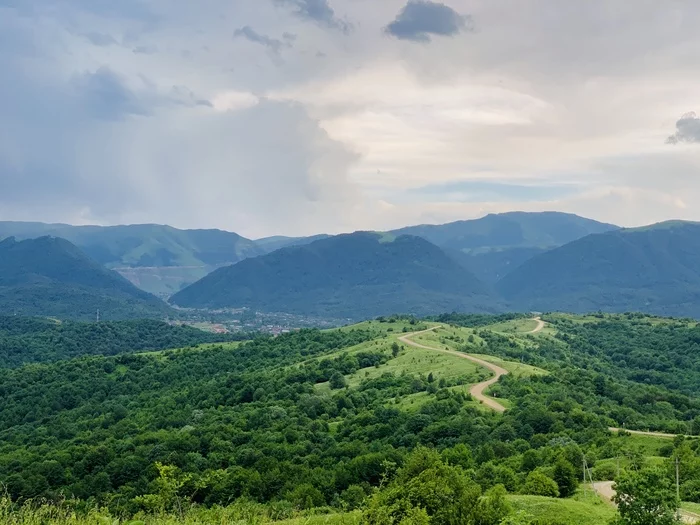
x=349 y=276
x=50 y=276
x=496 y=244
x=653 y=269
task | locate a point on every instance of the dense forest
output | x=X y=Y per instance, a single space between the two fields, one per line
x=36 y=340
x=318 y=419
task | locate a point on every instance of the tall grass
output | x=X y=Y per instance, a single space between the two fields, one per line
x=241 y=513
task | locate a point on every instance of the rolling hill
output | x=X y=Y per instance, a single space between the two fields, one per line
x=159 y=259
x=494 y=245
x=654 y=269
x=347 y=276
x=50 y=276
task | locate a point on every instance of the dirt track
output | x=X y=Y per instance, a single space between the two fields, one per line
x=477 y=391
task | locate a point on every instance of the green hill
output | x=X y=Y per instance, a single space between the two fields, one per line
x=159 y=259
x=49 y=276
x=35 y=340
x=348 y=276
x=654 y=269
x=494 y=245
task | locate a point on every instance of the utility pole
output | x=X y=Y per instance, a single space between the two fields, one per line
x=584 y=475
x=678 y=488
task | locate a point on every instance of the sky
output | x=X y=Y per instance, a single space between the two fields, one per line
x=296 y=117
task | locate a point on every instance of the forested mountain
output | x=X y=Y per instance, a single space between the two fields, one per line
x=654 y=269
x=159 y=259
x=347 y=276
x=49 y=276
x=36 y=340
x=496 y=244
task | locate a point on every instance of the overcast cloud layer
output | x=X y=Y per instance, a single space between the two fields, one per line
x=300 y=116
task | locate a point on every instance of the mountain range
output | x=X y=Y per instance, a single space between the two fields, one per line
x=513 y=261
x=49 y=276
x=352 y=276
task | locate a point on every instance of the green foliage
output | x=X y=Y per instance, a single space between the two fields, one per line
x=51 y=277
x=35 y=340
x=539 y=484
x=646 y=498
x=565 y=476
x=348 y=276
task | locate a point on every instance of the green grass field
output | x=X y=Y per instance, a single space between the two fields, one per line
x=579 y=510
x=691 y=507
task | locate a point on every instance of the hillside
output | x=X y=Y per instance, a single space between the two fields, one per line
x=494 y=245
x=351 y=419
x=37 y=340
x=348 y=276
x=271 y=244
x=654 y=269
x=49 y=276
x=159 y=259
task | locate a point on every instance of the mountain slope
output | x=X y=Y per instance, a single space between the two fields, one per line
x=271 y=244
x=494 y=245
x=50 y=276
x=654 y=269
x=351 y=276
x=159 y=259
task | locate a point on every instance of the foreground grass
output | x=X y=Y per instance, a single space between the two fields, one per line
x=582 y=509
x=238 y=514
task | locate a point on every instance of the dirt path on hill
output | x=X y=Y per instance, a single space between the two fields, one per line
x=540 y=325
x=477 y=391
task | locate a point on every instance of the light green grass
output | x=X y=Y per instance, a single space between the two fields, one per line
x=417 y=361
x=513 y=367
x=691 y=507
x=199 y=348
x=579 y=510
x=647 y=445
x=514 y=326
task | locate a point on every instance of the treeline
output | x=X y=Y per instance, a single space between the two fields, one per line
x=36 y=340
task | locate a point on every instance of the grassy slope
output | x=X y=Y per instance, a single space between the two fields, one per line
x=580 y=510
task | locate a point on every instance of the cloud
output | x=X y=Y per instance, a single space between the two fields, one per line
x=100 y=39
x=251 y=35
x=420 y=19
x=687 y=129
x=106 y=96
x=318 y=11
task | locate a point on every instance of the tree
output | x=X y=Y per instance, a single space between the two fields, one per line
x=539 y=484
x=395 y=349
x=566 y=478
x=646 y=497
x=337 y=381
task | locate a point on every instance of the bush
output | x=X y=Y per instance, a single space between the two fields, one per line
x=539 y=484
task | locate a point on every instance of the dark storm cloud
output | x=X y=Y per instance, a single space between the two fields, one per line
x=251 y=35
x=687 y=129
x=106 y=96
x=420 y=19
x=100 y=39
x=318 y=11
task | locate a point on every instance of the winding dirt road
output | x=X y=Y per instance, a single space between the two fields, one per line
x=540 y=325
x=477 y=391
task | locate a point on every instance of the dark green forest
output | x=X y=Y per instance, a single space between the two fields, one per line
x=36 y=340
